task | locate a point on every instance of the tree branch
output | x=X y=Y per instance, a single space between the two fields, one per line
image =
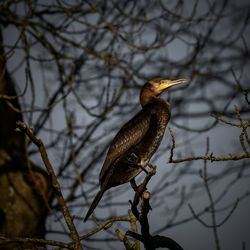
x=150 y=242
x=54 y=182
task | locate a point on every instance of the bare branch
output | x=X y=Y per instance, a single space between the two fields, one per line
x=54 y=182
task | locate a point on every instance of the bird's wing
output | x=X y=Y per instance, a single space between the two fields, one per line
x=129 y=135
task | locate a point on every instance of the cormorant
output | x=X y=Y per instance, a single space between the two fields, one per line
x=136 y=142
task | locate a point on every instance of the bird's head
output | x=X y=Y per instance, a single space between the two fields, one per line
x=158 y=85
x=155 y=87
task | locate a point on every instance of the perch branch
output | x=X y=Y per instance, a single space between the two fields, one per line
x=150 y=242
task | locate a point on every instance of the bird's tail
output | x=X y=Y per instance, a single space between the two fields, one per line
x=94 y=203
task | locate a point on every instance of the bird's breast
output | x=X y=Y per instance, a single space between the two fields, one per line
x=160 y=115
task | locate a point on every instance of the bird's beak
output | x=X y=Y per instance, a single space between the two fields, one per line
x=169 y=83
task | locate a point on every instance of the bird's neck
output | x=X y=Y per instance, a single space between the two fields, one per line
x=147 y=96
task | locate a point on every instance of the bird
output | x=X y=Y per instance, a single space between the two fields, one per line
x=136 y=142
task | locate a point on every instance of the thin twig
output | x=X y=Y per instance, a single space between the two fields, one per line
x=172 y=147
x=133 y=226
x=212 y=158
x=4 y=240
x=124 y=239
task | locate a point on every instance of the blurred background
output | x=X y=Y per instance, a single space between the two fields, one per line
x=77 y=68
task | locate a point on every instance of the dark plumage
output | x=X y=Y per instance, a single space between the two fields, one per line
x=137 y=141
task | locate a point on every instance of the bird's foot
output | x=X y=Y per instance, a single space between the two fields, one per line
x=152 y=169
